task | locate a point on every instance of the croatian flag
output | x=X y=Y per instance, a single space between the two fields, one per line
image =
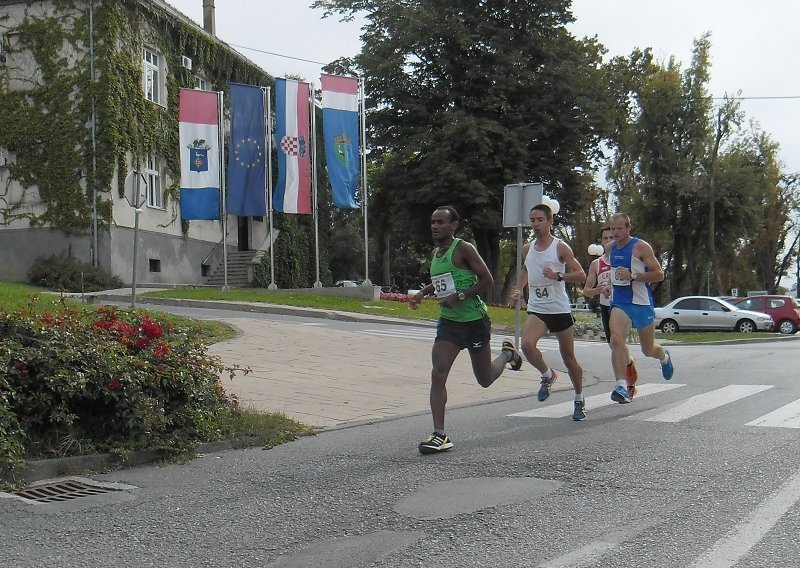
x=198 y=115
x=293 y=192
x=340 y=131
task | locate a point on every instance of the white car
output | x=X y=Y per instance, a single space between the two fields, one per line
x=709 y=313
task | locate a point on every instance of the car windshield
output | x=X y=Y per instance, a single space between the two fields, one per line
x=728 y=304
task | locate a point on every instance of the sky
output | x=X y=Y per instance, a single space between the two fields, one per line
x=751 y=46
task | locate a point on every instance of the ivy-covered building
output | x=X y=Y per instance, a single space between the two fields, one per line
x=89 y=94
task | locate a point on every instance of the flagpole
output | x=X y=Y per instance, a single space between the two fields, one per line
x=268 y=146
x=317 y=283
x=362 y=97
x=221 y=134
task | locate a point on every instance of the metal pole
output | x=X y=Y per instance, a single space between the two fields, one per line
x=362 y=101
x=221 y=142
x=137 y=209
x=317 y=283
x=517 y=314
x=95 y=259
x=272 y=285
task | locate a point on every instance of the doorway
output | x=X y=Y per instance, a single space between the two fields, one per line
x=244 y=233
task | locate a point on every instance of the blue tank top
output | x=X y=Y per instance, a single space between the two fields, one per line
x=626 y=291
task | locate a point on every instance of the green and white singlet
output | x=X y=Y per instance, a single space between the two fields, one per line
x=449 y=279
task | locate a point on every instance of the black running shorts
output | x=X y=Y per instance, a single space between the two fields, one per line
x=555 y=322
x=471 y=335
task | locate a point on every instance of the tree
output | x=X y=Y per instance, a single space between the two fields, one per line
x=708 y=196
x=467 y=96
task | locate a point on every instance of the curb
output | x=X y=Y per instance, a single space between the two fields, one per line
x=39 y=470
x=258 y=307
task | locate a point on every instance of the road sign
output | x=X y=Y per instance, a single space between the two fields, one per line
x=518 y=199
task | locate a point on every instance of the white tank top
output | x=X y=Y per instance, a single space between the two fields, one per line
x=603 y=277
x=546 y=295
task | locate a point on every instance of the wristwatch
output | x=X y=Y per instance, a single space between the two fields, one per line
x=559 y=276
x=462 y=296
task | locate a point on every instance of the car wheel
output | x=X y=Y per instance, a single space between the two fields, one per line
x=787 y=327
x=745 y=326
x=669 y=326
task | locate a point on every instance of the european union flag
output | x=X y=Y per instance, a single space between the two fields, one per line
x=247 y=181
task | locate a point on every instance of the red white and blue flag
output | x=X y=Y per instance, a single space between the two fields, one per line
x=340 y=129
x=293 y=191
x=198 y=116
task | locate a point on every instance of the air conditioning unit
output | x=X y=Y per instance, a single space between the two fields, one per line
x=186 y=62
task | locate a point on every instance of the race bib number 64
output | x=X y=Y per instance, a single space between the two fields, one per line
x=443 y=285
x=542 y=294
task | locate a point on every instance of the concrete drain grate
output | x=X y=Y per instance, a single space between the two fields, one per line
x=65 y=490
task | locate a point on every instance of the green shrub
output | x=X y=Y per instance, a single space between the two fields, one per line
x=69 y=274
x=12 y=452
x=79 y=381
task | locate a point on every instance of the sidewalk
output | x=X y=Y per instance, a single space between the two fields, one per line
x=328 y=380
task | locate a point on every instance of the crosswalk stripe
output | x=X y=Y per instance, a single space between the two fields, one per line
x=787 y=416
x=562 y=409
x=584 y=556
x=736 y=545
x=703 y=403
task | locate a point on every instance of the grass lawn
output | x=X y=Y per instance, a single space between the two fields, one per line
x=501 y=316
x=715 y=336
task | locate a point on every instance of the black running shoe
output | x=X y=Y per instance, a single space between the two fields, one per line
x=516 y=358
x=580 y=411
x=435 y=443
x=546 y=386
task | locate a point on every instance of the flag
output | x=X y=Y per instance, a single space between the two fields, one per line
x=198 y=136
x=340 y=132
x=247 y=173
x=293 y=192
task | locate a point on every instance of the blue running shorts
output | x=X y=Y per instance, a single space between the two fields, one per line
x=640 y=316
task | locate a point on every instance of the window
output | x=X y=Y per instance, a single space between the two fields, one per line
x=152 y=176
x=155 y=264
x=200 y=83
x=749 y=304
x=687 y=304
x=152 y=76
x=776 y=303
x=711 y=306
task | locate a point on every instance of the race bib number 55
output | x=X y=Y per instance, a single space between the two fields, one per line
x=443 y=285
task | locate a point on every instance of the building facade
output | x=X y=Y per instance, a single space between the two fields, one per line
x=89 y=93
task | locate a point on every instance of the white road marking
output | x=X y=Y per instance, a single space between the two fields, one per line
x=590 y=554
x=729 y=550
x=704 y=402
x=584 y=556
x=787 y=416
x=562 y=409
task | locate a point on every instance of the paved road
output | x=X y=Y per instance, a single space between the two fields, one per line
x=698 y=472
